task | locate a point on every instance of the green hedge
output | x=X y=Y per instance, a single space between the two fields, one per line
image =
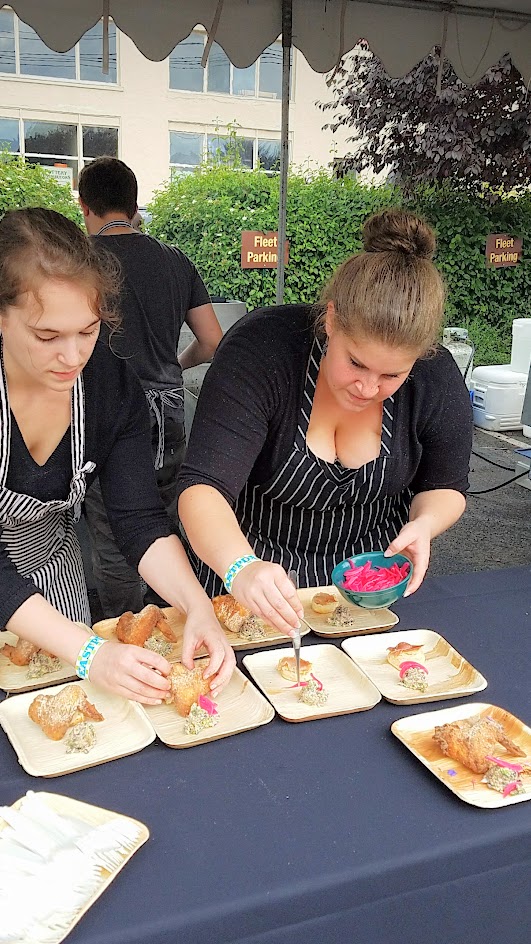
x=27 y=185
x=205 y=212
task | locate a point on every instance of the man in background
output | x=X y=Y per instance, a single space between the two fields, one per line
x=161 y=290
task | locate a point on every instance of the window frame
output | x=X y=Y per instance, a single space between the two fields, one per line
x=263 y=96
x=77 y=80
x=255 y=136
x=79 y=125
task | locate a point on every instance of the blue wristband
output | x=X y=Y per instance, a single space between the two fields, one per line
x=86 y=655
x=235 y=569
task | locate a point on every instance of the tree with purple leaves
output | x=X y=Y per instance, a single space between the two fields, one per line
x=478 y=138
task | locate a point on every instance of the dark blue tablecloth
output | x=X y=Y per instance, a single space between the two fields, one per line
x=327 y=832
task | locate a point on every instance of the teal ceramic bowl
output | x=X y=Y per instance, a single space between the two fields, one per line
x=372 y=599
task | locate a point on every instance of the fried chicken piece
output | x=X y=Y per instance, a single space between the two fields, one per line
x=186 y=685
x=231 y=613
x=57 y=713
x=21 y=653
x=137 y=628
x=471 y=740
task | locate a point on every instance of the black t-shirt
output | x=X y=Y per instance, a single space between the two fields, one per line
x=246 y=418
x=118 y=441
x=160 y=285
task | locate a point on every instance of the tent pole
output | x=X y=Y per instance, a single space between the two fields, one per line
x=284 y=143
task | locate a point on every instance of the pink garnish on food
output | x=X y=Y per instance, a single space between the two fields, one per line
x=505 y=763
x=371 y=578
x=406 y=666
x=319 y=683
x=207 y=704
x=510 y=788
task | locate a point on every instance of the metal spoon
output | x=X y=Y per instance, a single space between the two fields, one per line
x=296 y=639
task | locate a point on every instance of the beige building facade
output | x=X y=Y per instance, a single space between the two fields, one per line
x=60 y=110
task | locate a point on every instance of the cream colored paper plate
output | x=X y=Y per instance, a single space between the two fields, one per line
x=13 y=678
x=240 y=707
x=124 y=731
x=94 y=816
x=449 y=674
x=365 y=621
x=107 y=629
x=416 y=732
x=348 y=688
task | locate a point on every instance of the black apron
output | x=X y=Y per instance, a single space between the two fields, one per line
x=40 y=537
x=312 y=514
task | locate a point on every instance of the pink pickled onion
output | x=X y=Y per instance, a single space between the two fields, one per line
x=319 y=683
x=207 y=704
x=368 y=578
x=406 y=666
x=510 y=788
x=505 y=763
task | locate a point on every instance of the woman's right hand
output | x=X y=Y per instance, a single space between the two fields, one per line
x=132 y=672
x=266 y=590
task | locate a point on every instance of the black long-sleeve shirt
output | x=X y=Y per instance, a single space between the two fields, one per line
x=118 y=440
x=247 y=414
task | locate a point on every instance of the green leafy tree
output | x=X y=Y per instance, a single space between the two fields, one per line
x=205 y=212
x=25 y=185
x=472 y=136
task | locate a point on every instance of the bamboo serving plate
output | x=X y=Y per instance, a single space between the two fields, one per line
x=125 y=730
x=107 y=629
x=449 y=674
x=348 y=688
x=13 y=678
x=93 y=816
x=365 y=621
x=241 y=707
x=416 y=732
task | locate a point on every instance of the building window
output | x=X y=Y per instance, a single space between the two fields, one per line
x=99 y=142
x=241 y=149
x=186 y=71
x=269 y=154
x=90 y=48
x=9 y=135
x=7 y=42
x=58 y=145
x=22 y=52
x=262 y=79
x=187 y=150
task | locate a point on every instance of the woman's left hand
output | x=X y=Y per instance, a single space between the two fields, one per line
x=414 y=540
x=202 y=629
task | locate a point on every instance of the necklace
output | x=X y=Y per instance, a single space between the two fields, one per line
x=114 y=223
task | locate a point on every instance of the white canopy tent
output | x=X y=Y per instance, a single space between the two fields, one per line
x=473 y=34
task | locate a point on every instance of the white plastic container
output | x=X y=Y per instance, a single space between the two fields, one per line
x=521 y=346
x=498 y=397
x=462 y=351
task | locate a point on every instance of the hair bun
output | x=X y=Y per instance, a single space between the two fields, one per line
x=398 y=230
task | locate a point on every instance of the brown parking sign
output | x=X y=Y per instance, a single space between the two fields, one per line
x=260 y=250
x=503 y=250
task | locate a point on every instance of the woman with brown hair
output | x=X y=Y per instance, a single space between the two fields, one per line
x=319 y=435
x=71 y=410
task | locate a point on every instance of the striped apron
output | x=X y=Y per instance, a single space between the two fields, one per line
x=312 y=514
x=40 y=537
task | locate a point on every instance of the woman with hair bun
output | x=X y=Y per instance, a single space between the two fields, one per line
x=327 y=431
x=69 y=411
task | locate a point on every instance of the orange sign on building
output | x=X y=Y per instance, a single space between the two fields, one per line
x=260 y=250
x=503 y=250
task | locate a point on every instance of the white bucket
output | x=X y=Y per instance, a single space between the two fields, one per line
x=521 y=346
